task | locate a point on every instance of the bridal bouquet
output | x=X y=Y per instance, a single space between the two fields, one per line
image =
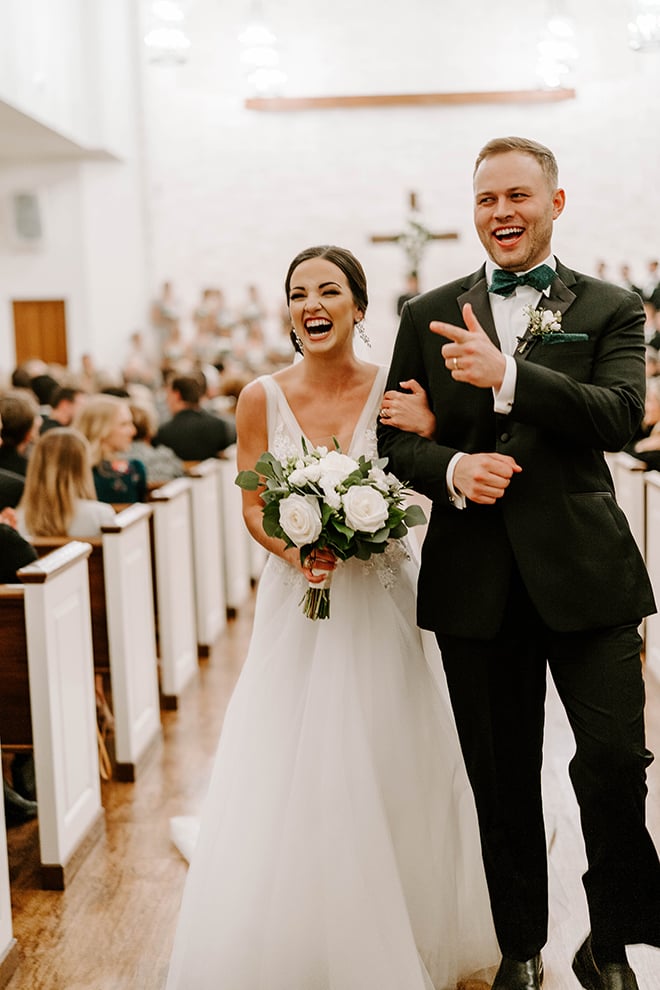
x=327 y=500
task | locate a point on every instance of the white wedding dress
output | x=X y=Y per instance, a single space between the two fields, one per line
x=338 y=847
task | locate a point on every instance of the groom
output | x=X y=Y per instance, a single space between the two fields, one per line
x=529 y=561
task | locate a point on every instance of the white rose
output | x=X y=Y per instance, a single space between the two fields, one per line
x=332 y=499
x=329 y=480
x=300 y=518
x=313 y=472
x=379 y=479
x=337 y=463
x=366 y=509
x=297 y=478
x=304 y=474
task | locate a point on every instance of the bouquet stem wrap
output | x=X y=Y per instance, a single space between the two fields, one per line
x=316 y=600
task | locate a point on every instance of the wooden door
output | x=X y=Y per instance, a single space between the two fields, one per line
x=40 y=330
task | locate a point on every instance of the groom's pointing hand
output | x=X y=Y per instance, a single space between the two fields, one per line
x=471 y=356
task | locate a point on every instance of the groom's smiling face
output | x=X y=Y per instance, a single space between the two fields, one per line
x=514 y=209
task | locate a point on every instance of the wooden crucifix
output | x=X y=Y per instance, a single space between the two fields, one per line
x=414 y=238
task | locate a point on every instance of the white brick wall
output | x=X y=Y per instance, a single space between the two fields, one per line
x=230 y=195
x=235 y=194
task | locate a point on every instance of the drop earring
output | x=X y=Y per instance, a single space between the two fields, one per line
x=296 y=341
x=362 y=333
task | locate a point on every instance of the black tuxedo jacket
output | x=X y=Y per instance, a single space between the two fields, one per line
x=558 y=520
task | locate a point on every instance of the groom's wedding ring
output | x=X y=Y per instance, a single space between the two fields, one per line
x=384 y=414
x=456 y=368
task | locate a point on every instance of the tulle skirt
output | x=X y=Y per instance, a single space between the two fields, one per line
x=338 y=847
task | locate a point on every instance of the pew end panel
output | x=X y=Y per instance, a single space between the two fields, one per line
x=45 y=545
x=48 y=701
x=236 y=554
x=129 y=605
x=208 y=563
x=174 y=580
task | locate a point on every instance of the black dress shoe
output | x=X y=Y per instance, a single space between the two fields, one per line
x=514 y=975
x=17 y=808
x=23 y=776
x=610 y=976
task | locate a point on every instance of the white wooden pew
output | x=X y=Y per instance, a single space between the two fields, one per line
x=236 y=553
x=48 y=702
x=175 y=600
x=9 y=953
x=131 y=637
x=208 y=553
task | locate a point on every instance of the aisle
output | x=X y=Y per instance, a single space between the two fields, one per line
x=112 y=929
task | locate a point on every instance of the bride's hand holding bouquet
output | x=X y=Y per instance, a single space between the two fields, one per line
x=330 y=507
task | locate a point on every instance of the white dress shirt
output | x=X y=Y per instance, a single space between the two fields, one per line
x=510 y=323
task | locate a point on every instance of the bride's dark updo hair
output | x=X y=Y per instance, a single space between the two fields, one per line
x=345 y=261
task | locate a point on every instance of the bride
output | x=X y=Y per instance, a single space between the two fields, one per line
x=338 y=847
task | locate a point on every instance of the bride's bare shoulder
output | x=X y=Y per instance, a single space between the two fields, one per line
x=252 y=399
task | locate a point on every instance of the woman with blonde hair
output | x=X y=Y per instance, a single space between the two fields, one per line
x=59 y=498
x=107 y=423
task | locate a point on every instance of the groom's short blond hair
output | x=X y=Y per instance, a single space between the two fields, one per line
x=543 y=155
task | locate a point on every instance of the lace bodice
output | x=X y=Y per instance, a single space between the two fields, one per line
x=285 y=434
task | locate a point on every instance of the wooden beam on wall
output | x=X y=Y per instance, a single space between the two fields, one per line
x=289 y=103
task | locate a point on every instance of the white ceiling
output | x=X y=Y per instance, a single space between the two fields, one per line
x=23 y=138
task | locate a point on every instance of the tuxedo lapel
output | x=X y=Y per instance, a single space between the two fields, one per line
x=561 y=295
x=477 y=296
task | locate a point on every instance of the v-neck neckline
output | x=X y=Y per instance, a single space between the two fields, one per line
x=361 y=422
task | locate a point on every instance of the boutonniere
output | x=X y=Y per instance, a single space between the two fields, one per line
x=544 y=325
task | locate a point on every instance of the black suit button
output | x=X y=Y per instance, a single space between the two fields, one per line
x=504 y=437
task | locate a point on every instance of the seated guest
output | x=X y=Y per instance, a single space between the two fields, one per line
x=139 y=367
x=43 y=387
x=193 y=433
x=107 y=423
x=20 y=427
x=59 y=497
x=161 y=463
x=15 y=552
x=66 y=402
x=11 y=488
x=23 y=374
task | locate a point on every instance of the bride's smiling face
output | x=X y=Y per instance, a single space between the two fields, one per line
x=323 y=310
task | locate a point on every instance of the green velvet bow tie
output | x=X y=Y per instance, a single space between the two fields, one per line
x=503 y=283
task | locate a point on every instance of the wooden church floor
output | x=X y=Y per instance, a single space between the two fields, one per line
x=112 y=928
